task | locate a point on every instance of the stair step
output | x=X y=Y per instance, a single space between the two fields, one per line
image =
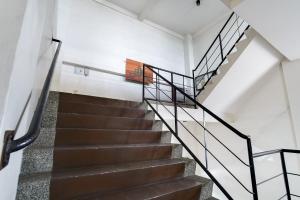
x=106 y=137
x=89 y=155
x=84 y=108
x=76 y=98
x=71 y=183
x=70 y=120
x=187 y=188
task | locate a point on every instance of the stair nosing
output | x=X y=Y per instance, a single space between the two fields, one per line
x=175 y=179
x=113 y=130
x=105 y=116
x=111 y=146
x=109 y=106
x=86 y=95
x=108 y=169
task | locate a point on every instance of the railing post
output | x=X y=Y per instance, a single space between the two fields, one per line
x=194 y=88
x=174 y=98
x=252 y=170
x=143 y=83
x=175 y=109
x=285 y=176
x=221 y=47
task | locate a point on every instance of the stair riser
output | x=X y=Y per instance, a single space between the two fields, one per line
x=64 y=97
x=67 y=107
x=188 y=194
x=90 y=137
x=102 y=122
x=74 y=186
x=88 y=157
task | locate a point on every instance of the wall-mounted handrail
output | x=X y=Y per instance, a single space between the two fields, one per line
x=174 y=90
x=285 y=173
x=209 y=69
x=12 y=145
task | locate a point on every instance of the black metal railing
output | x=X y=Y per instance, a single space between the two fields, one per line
x=161 y=89
x=10 y=144
x=231 y=33
x=285 y=173
x=174 y=115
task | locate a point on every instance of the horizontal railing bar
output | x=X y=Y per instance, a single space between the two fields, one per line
x=269 y=179
x=291 y=151
x=214 y=137
x=164 y=70
x=282 y=197
x=204 y=146
x=192 y=154
x=94 y=68
x=293 y=174
x=265 y=153
x=294 y=195
x=205 y=109
x=214 y=41
x=215 y=157
x=222 y=38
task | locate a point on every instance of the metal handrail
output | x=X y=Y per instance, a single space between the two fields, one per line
x=12 y=145
x=219 y=41
x=175 y=89
x=284 y=173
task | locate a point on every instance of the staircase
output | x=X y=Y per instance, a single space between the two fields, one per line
x=226 y=65
x=227 y=47
x=98 y=148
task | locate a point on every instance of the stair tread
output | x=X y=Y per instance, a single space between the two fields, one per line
x=114 y=146
x=68 y=97
x=152 y=191
x=112 y=130
x=99 y=106
x=101 y=116
x=104 y=169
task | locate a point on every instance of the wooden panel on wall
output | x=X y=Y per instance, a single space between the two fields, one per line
x=134 y=72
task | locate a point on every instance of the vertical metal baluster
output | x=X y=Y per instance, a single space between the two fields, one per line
x=207 y=70
x=204 y=135
x=158 y=84
x=252 y=170
x=285 y=176
x=221 y=48
x=143 y=83
x=175 y=110
x=156 y=87
x=194 y=88
x=183 y=89
x=237 y=23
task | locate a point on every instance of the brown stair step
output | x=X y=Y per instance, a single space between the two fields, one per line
x=71 y=183
x=89 y=155
x=76 y=98
x=105 y=136
x=183 y=188
x=71 y=120
x=84 y=108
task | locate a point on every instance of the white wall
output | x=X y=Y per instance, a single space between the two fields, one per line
x=100 y=37
x=276 y=22
x=11 y=15
x=204 y=39
x=291 y=72
x=31 y=60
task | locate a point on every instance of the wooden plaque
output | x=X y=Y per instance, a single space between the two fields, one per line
x=134 y=72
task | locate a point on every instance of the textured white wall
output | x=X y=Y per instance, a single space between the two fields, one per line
x=275 y=21
x=32 y=32
x=100 y=37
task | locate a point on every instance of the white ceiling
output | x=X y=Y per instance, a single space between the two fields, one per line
x=180 y=16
